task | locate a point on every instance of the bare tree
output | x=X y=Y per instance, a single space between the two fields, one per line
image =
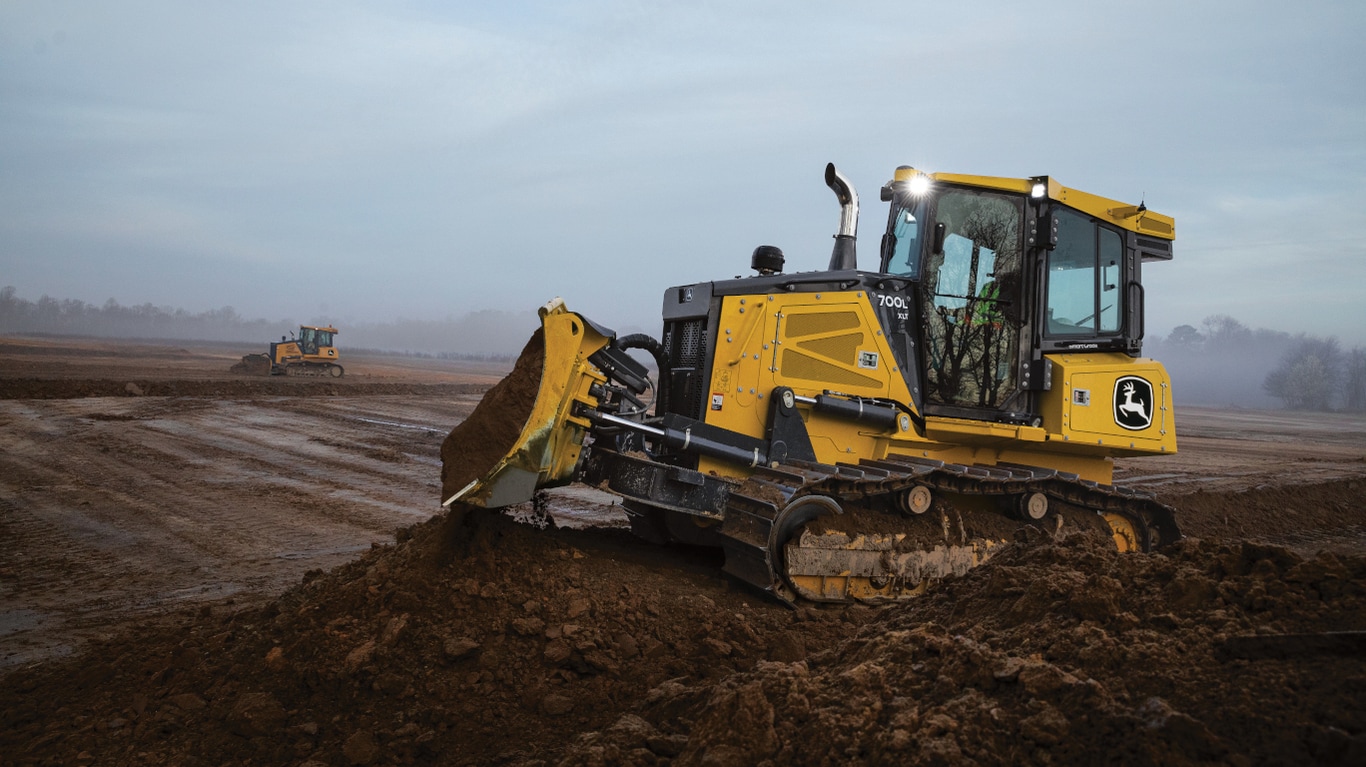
x=1308 y=375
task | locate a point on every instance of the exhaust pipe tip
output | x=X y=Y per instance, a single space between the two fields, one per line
x=844 y=256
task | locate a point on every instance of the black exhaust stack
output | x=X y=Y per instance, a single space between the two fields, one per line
x=844 y=255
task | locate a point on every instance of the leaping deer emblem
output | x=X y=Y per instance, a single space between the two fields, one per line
x=1130 y=407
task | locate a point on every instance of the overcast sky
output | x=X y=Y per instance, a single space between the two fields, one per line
x=374 y=161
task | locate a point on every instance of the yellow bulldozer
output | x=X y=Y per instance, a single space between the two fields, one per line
x=848 y=435
x=312 y=353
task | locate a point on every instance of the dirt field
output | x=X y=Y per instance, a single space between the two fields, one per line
x=202 y=568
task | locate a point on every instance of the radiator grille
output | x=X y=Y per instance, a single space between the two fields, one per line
x=686 y=342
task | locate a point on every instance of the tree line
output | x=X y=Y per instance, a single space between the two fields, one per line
x=71 y=317
x=1221 y=363
x=484 y=334
x=1224 y=362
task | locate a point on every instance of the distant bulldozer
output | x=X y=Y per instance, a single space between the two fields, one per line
x=311 y=354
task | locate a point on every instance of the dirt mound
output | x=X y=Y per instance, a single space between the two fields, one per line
x=477 y=443
x=473 y=639
x=477 y=640
x=1288 y=513
x=1056 y=652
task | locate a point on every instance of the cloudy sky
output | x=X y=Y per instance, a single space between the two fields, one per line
x=420 y=160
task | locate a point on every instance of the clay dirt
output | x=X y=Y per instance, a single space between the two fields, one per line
x=201 y=568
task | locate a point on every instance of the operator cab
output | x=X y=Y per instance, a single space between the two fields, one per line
x=311 y=339
x=1007 y=272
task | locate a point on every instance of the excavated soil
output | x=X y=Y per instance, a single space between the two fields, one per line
x=471 y=638
x=477 y=443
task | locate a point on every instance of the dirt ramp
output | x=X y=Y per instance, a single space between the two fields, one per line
x=475 y=445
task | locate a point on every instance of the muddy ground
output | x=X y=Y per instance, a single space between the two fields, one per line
x=204 y=569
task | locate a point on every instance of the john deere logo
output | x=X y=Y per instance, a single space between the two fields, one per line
x=1133 y=403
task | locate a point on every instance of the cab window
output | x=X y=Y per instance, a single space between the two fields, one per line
x=970 y=292
x=1083 y=296
x=905 y=256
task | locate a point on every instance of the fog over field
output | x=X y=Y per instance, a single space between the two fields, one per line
x=1221 y=363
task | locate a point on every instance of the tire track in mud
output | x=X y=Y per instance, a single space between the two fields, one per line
x=124 y=508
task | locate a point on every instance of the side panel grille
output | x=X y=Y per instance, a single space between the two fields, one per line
x=838 y=348
x=802 y=366
x=686 y=342
x=814 y=323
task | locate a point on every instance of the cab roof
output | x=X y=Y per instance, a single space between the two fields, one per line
x=1135 y=218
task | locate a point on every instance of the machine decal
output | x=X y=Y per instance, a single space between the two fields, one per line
x=892 y=301
x=867 y=360
x=1133 y=403
x=899 y=305
x=1081 y=397
x=717 y=400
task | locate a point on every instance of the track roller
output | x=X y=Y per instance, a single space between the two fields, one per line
x=1032 y=506
x=914 y=500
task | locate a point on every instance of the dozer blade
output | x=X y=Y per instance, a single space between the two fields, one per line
x=254 y=365
x=524 y=434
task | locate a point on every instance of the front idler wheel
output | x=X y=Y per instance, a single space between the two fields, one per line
x=787 y=525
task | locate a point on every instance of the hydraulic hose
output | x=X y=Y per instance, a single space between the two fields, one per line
x=656 y=350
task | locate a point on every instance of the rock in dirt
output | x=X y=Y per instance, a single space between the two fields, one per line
x=361 y=748
x=255 y=714
x=459 y=647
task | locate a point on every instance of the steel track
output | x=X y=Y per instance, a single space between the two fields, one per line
x=765 y=513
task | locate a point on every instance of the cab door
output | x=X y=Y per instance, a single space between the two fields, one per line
x=971 y=300
x=1088 y=297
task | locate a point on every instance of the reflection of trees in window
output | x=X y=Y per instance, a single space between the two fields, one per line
x=971 y=294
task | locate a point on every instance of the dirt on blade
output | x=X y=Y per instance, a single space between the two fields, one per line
x=252 y=365
x=475 y=445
